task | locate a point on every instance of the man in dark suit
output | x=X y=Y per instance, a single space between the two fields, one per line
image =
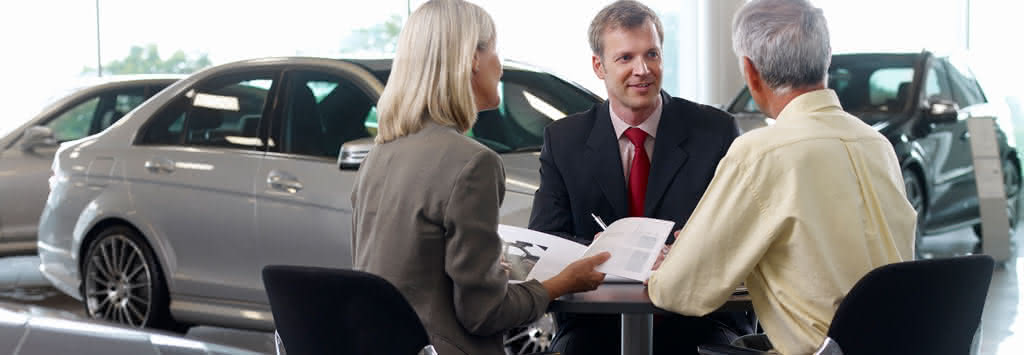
x=641 y=153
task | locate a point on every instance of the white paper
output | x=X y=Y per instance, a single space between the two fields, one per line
x=536 y=255
x=634 y=244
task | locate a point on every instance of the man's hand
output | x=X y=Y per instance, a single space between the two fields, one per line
x=579 y=276
x=661 y=256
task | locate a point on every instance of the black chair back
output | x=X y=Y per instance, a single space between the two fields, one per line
x=331 y=311
x=916 y=307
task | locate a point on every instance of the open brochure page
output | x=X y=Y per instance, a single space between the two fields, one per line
x=534 y=255
x=634 y=243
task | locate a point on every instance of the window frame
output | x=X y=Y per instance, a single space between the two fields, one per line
x=217 y=79
x=275 y=128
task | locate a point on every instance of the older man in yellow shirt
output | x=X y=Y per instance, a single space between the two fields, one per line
x=799 y=210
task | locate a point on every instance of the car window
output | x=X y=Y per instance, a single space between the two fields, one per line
x=74 y=123
x=874 y=86
x=937 y=84
x=222 y=112
x=115 y=106
x=966 y=91
x=889 y=88
x=529 y=102
x=321 y=112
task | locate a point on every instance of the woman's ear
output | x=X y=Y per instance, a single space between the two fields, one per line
x=476 y=62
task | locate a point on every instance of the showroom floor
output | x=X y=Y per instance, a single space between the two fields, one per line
x=1002 y=323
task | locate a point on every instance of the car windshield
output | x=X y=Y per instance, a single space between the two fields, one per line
x=529 y=102
x=874 y=87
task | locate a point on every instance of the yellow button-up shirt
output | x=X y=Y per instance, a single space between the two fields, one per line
x=800 y=211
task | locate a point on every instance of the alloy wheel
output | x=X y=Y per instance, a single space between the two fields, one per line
x=118 y=284
x=533 y=338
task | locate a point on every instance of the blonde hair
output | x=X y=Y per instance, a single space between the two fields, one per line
x=432 y=70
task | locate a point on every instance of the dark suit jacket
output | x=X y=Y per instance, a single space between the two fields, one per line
x=581 y=168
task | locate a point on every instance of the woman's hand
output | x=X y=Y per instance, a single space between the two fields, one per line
x=579 y=276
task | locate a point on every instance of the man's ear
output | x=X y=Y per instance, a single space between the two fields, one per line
x=598 y=66
x=752 y=76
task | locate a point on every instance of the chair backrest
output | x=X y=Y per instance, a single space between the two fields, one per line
x=332 y=311
x=915 y=307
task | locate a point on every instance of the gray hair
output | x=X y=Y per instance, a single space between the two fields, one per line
x=787 y=40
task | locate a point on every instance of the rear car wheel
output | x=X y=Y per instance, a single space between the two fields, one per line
x=122 y=282
x=533 y=338
x=915 y=195
x=1011 y=181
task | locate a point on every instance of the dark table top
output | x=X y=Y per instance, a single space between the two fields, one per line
x=627 y=298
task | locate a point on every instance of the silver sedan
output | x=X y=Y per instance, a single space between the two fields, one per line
x=26 y=153
x=166 y=218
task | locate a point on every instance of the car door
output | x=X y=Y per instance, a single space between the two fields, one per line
x=971 y=101
x=192 y=171
x=24 y=170
x=303 y=208
x=946 y=153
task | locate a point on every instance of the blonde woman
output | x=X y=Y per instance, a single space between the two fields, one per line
x=426 y=198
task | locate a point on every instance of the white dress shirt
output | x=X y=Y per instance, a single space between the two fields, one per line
x=650 y=126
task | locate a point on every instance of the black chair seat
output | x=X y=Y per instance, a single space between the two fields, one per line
x=331 y=311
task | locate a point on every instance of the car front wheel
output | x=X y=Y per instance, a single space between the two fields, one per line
x=122 y=282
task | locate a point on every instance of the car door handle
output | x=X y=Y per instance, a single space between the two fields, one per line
x=284 y=182
x=159 y=165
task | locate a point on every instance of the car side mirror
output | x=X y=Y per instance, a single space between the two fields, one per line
x=37 y=136
x=353 y=152
x=942 y=110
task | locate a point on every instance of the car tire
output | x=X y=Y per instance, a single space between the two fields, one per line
x=915 y=195
x=123 y=283
x=1012 y=184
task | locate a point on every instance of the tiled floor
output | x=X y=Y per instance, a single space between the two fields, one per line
x=21 y=282
x=1002 y=323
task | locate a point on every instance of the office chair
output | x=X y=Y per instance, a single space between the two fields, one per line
x=915 y=307
x=331 y=311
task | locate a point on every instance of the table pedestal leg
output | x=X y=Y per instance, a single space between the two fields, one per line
x=637 y=334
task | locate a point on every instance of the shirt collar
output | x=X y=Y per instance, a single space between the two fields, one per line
x=650 y=125
x=811 y=101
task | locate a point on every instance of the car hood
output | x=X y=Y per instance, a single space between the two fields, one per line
x=37 y=330
x=522 y=172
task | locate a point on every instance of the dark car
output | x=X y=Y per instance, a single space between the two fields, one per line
x=920 y=102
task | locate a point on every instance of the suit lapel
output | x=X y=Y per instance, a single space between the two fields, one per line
x=669 y=155
x=603 y=158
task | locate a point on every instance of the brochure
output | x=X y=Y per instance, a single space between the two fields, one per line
x=634 y=244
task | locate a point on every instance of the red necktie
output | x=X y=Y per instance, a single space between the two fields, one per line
x=638 y=172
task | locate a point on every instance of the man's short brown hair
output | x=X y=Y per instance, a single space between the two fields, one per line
x=628 y=14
